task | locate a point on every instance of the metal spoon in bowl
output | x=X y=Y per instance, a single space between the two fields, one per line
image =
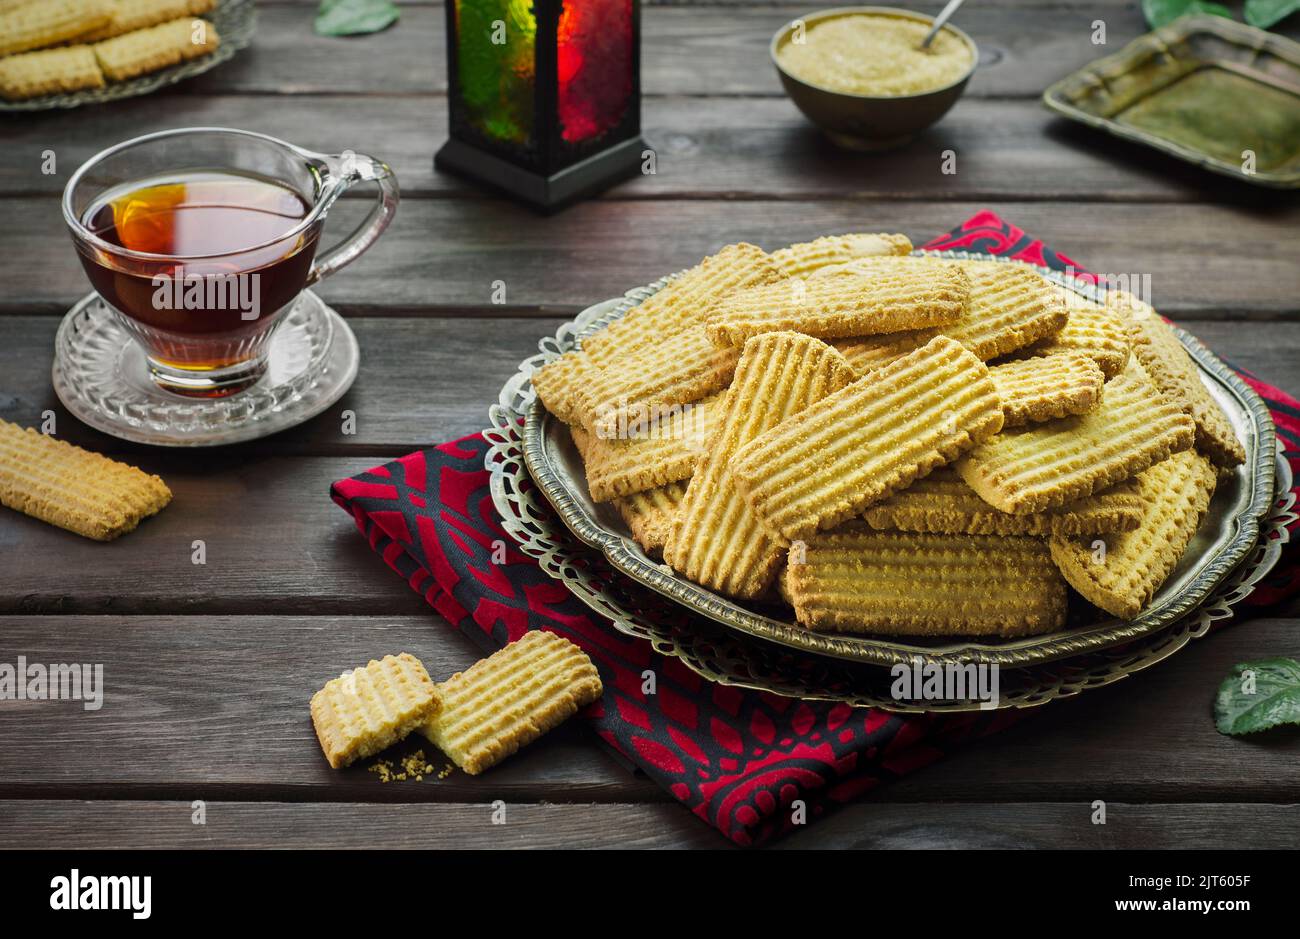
x=943 y=17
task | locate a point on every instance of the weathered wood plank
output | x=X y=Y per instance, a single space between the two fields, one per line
x=274 y=542
x=445 y=255
x=704 y=148
x=689 y=50
x=867 y=825
x=421 y=381
x=216 y=708
x=1145 y=739
x=429 y=380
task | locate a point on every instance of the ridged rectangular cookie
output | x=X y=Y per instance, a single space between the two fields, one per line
x=650 y=514
x=1122 y=576
x=130 y=15
x=858 y=580
x=1029 y=469
x=1174 y=373
x=829 y=462
x=845 y=304
x=659 y=453
x=158 y=47
x=942 y=503
x=48 y=72
x=371 y=708
x=632 y=349
x=717 y=541
x=83 y=492
x=511 y=698
x=683 y=301
x=808 y=257
x=1010 y=307
x=49 y=22
x=1092 y=330
x=555 y=381
x=679 y=369
x=1046 y=388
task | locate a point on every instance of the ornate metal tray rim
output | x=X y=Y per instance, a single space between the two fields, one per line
x=234 y=20
x=884 y=651
x=1156 y=42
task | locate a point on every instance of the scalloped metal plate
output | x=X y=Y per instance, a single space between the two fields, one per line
x=522 y=435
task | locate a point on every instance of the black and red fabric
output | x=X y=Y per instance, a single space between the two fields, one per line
x=740 y=760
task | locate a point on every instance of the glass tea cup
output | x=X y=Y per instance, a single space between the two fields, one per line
x=201 y=238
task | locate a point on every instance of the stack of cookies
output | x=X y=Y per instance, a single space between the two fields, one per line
x=897 y=444
x=59 y=46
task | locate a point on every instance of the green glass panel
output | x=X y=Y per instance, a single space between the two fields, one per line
x=496 y=66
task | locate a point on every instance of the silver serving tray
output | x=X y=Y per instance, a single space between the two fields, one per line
x=1230 y=533
x=234 y=21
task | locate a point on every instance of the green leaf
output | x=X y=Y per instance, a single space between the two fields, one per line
x=1266 y=13
x=353 y=17
x=1258 y=696
x=1160 y=12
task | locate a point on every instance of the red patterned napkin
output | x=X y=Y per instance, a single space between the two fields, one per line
x=737 y=759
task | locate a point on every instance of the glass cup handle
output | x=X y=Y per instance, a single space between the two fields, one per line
x=344 y=171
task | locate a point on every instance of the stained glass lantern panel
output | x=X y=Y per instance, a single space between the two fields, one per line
x=544 y=96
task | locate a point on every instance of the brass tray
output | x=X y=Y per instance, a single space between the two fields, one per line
x=234 y=21
x=1203 y=89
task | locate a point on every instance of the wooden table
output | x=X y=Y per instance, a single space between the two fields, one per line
x=209 y=668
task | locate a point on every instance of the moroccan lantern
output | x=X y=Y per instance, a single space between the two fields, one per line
x=544 y=97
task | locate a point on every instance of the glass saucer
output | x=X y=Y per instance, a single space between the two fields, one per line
x=101 y=376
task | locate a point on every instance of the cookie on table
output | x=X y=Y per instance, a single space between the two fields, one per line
x=371 y=708
x=509 y=699
x=83 y=492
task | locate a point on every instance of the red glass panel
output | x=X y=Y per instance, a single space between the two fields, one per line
x=594 y=49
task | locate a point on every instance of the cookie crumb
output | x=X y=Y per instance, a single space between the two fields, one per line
x=412 y=768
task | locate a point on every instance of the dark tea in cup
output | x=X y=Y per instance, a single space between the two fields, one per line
x=231 y=262
x=202 y=239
